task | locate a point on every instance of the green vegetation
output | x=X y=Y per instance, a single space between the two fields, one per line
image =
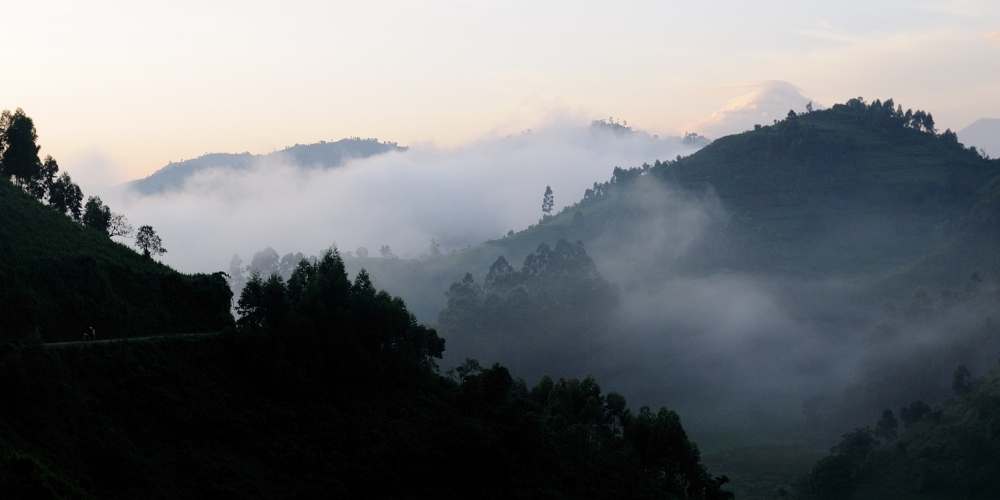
x=950 y=451
x=326 y=388
x=552 y=313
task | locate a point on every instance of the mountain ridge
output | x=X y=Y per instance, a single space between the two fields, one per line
x=322 y=154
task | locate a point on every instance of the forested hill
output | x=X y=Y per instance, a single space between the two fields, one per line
x=864 y=193
x=60 y=277
x=860 y=191
x=874 y=153
x=319 y=155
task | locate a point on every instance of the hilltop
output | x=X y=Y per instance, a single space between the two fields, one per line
x=319 y=155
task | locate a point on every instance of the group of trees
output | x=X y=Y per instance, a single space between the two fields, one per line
x=320 y=303
x=21 y=165
x=320 y=314
x=887 y=115
x=552 y=312
x=949 y=451
x=325 y=387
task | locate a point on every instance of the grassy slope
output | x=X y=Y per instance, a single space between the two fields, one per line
x=62 y=277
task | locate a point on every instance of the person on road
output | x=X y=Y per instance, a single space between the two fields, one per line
x=93 y=334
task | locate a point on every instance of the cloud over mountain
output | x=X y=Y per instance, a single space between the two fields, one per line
x=402 y=199
x=764 y=102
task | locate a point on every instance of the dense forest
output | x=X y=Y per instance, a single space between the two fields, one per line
x=325 y=387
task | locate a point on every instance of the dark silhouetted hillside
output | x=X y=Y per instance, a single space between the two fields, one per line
x=59 y=278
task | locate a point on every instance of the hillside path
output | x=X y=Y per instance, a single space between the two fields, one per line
x=126 y=339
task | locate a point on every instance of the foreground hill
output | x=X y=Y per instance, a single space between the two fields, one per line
x=326 y=389
x=59 y=278
x=319 y=155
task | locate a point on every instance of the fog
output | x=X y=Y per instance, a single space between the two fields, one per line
x=751 y=357
x=459 y=197
x=746 y=356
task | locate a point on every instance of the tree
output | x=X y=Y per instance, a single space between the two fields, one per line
x=386 y=252
x=547 y=201
x=42 y=184
x=18 y=151
x=149 y=242
x=119 y=226
x=361 y=252
x=887 y=426
x=96 y=215
x=66 y=197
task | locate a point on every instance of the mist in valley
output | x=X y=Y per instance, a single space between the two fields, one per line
x=747 y=350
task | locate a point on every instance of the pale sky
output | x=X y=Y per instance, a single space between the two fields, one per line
x=128 y=86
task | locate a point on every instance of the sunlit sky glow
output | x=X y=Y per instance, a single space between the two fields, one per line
x=121 y=88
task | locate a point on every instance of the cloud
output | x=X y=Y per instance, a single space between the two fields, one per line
x=765 y=102
x=460 y=196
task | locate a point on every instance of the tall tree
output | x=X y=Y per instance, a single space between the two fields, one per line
x=41 y=186
x=66 y=197
x=18 y=152
x=547 y=201
x=149 y=242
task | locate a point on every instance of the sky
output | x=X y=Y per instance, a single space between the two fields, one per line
x=118 y=89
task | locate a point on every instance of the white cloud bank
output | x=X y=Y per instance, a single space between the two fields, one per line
x=459 y=197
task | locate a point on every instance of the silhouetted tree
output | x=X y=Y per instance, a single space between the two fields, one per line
x=547 y=201
x=96 y=215
x=361 y=252
x=149 y=242
x=386 y=252
x=18 y=152
x=66 y=197
x=42 y=184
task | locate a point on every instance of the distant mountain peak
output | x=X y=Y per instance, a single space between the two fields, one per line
x=322 y=154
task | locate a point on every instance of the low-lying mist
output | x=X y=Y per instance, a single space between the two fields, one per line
x=457 y=197
x=747 y=355
x=758 y=356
